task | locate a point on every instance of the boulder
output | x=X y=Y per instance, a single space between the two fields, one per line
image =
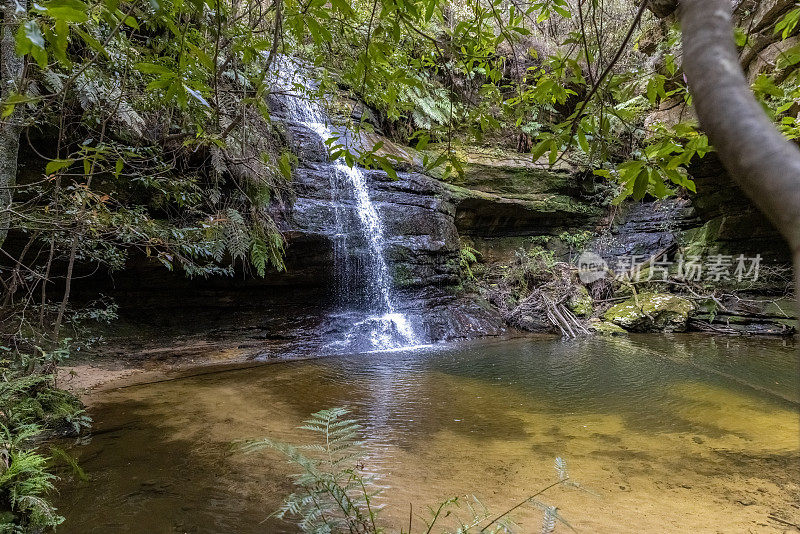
x=651 y=312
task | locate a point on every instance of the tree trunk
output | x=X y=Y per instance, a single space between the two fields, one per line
x=12 y=69
x=764 y=164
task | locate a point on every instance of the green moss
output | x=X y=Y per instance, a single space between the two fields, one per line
x=654 y=312
x=403 y=276
x=605 y=328
x=580 y=303
x=702 y=240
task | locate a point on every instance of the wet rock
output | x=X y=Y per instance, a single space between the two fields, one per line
x=536 y=321
x=746 y=316
x=305 y=143
x=605 y=328
x=451 y=317
x=652 y=312
x=417 y=213
x=644 y=229
x=730 y=222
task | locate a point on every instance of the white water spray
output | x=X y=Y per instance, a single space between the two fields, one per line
x=385 y=327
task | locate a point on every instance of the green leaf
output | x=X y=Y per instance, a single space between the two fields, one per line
x=343 y=7
x=788 y=23
x=28 y=37
x=429 y=9
x=67 y=10
x=422 y=141
x=96 y=45
x=61 y=34
x=201 y=56
x=669 y=63
x=655 y=88
x=10 y=103
x=285 y=165
x=563 y=12
x=127 y=19
x=57 y=164
x=766 y=86
x=539 y=150
x=640 y=185
x=40 y=56
x=582 y=142
x=153 y=68
x=789 y=57
x=388 y=169
x=629 y=170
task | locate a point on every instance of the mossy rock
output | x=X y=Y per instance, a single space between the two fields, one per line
x=655 y=312
x=580 y=303
x=604 y=328
x=404 y=276
x=704 y=239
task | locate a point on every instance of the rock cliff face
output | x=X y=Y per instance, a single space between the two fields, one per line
x=422 y=253
x=730 y=222
x=419 y=238
x=502 y=202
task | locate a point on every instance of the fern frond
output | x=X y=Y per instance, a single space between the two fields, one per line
x=549 y=520
x=218 y=160
x=333 y=496
x=561 y=468
x=552 y=511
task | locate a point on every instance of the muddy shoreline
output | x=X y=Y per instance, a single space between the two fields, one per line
x=118 y=366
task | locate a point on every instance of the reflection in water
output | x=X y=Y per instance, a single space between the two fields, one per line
x=675 y=435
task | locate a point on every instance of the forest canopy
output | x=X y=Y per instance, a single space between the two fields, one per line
x=151 y=124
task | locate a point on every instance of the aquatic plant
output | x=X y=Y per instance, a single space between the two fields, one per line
x=333 y=494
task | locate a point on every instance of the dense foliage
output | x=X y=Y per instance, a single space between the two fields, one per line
x=30 y=408
x=148 y=128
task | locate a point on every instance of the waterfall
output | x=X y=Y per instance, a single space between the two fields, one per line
x=383 y=327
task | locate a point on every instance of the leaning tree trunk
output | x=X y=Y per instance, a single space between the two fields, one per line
x=11 y=73
x=764 y=164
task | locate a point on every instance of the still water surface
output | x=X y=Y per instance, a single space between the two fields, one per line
x=679 y=434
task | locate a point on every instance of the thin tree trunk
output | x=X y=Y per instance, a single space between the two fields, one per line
x=12 y=69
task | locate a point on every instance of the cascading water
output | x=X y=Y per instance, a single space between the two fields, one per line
x=384 y=327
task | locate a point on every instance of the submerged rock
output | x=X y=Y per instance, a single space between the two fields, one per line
x=605 y=328
x=652 y=312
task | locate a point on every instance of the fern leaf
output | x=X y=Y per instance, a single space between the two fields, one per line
x=549 y=520
x=561 y=468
